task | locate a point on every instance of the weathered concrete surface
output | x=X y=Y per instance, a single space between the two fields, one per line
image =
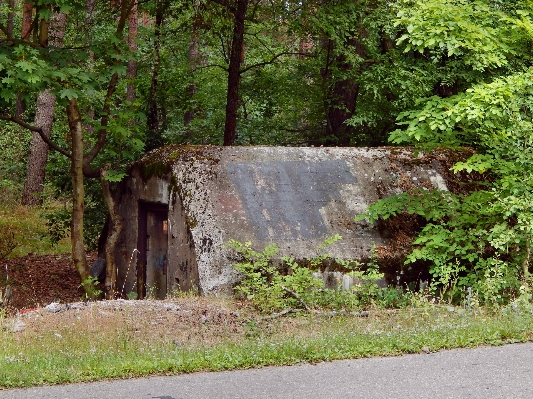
x=292 y=196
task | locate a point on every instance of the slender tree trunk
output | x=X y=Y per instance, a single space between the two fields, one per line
x=342 y=107
x=10 y=18
x=78 y=191
x=114 y=229
x=145 y=20
x=234 y=72
x=193 y=60
x=343 y=99
x=44 y=116
x=27 y=18
x=114 y=222
x=27 y=15
x=89 y=10
x=132 y=45
x=154 y=140
x=88 y=20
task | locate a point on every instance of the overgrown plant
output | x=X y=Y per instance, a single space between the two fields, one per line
x=90 y=286
x=274 y=283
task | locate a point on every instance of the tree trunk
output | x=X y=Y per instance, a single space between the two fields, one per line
x=25 y=33
x=444 y=90
x=113 y=232
x=88 y=21
x=35 y=168
x=44 y=116
x=10 y=17
x=341 y=108
x=89 y=10
x=154 y=139
x=193 y=61
x=27 y=17
x=132 y=45
x=342 y=101
x=234 y=72
x=78 y=191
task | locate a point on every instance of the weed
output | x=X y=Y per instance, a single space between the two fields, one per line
x=252 y=329
x=90 y=286
x=132 y=295
x=293 y=284
x=178 y=293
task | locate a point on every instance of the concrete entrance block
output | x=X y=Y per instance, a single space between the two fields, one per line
x=295 y=197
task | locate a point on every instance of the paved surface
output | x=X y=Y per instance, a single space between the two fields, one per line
x=488 y=372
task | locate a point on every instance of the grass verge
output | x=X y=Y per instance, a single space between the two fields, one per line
x=86 y=350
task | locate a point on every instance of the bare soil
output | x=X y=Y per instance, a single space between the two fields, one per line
x=38 y=281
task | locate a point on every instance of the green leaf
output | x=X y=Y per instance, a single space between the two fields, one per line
x=68 y=94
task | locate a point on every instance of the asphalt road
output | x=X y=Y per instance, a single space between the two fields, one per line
x=488 y=372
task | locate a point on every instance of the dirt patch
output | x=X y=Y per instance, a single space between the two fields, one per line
x=38 y=280
x=47 y=297
x=185 y=321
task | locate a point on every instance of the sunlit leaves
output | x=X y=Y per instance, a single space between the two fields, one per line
x=474 y=31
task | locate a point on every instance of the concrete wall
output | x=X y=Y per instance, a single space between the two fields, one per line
x=292 y=196
x=136 y=192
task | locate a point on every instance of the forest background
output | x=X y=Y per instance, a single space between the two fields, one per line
x=102 y=82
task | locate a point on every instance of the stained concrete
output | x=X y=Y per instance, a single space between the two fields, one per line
x=292 y=196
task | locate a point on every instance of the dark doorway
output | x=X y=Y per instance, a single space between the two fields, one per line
x=153 y=247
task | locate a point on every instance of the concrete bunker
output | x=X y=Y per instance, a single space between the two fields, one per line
x=181 y=204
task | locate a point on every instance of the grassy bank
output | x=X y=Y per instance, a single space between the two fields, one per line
x=86 y=350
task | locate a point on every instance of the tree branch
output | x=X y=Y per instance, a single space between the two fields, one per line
x=295 y=295
x=126 y=7
x=14 y=40
x=273 y=60
x=282 y=313
x=102 y=133
x=4 y=30
x=32 y=128
x=224 y=49
x=213 y=66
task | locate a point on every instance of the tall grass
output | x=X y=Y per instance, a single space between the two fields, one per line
x=86 y=350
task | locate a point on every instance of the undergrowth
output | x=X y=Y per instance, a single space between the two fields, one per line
x=30 y=231
x=274 y=283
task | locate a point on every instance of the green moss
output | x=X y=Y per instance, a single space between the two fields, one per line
x=158 y=169
x=191 y=221
x=189 y=153
x=160 y=161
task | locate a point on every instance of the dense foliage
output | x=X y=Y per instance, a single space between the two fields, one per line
x=480 y=241
x=428 y=73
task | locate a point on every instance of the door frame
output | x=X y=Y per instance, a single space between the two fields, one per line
x=142 y=232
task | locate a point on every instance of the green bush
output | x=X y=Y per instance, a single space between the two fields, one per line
x=274 y=283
